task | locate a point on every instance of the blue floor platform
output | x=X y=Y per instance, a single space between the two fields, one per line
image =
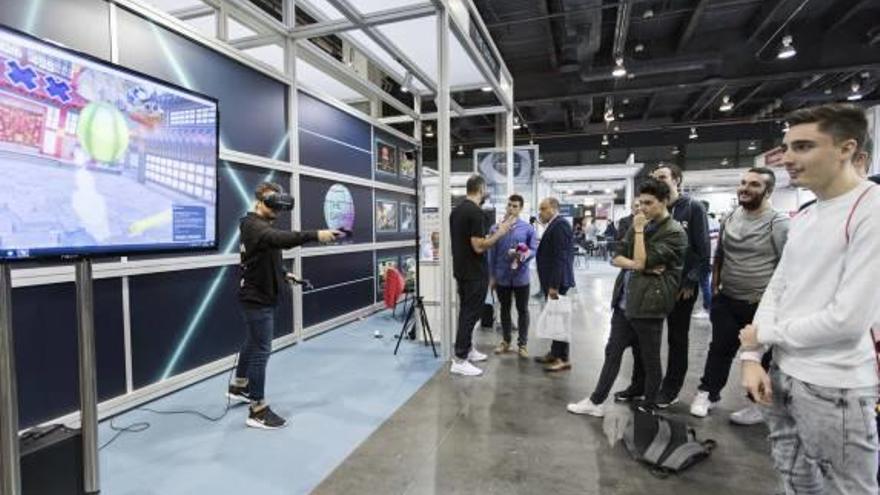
x=336 y=389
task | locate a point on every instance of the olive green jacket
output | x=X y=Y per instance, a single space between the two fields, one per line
x=650 y=295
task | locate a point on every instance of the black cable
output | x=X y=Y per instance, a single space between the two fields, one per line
x=132 y=428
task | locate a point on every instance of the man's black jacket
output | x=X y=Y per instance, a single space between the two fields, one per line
x=691 y=214
x=261 y=272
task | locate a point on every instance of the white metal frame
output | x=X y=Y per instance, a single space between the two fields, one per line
x=451 y=16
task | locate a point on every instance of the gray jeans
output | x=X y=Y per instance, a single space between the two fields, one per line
x=823 y=440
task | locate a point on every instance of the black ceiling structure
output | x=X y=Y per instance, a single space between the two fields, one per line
x=682 y=59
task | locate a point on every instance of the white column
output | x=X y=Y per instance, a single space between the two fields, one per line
x=444 y=164
x=293 y=153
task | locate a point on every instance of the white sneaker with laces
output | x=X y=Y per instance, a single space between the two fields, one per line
x=701 y=405
x=464 y=368
x=748 y=416
x=587 y=407
x=476 y=356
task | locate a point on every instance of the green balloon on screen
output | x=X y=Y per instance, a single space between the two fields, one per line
x=102 y=132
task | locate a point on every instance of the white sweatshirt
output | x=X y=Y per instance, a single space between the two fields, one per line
x=825 y=294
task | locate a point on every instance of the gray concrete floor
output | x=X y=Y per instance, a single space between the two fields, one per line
x=508 y=431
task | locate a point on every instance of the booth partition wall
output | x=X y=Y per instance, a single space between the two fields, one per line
x=164 y=321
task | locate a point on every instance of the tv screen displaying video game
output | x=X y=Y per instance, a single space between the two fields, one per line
x=98 y=160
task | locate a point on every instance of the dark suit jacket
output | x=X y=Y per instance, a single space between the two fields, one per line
x=555 y=258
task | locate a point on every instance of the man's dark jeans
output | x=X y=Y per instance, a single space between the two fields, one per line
x=643 y=335
x=254 y=354
x=728 y=316
x=521 y=294
x=471 y=297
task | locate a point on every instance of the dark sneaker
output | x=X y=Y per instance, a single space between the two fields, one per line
x=627 y=396
x=238 y=394
x=664 y=402
x=545 y=359
x=644 y=406
x=266 y=419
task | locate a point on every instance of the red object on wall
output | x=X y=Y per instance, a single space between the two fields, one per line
x=394 y=283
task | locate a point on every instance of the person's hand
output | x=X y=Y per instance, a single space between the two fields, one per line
x=756 y=381
x=504 y=226
x=748 y=338
x=639 y=222
x=553 y=293
x=511 y=252
x=685 y=293
x=326 y=236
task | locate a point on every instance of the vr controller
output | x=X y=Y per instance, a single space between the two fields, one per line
x=278 y=201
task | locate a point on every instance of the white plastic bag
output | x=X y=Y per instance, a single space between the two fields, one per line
x=554 y=322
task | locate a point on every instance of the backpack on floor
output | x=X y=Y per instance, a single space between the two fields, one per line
x=665 y=446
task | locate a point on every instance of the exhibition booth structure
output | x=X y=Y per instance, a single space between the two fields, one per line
x=133 y=135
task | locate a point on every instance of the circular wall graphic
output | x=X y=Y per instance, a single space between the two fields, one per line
x=339 y=208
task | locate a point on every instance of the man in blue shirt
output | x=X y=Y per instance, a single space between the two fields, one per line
x=509 y=275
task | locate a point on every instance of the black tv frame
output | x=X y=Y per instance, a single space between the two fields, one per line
x=64 y=254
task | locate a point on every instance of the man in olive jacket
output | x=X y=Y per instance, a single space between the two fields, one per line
x=645 y=292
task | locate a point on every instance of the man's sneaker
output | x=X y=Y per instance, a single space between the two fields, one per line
x=627 y=396
x=266 y=419
x=664 y=402
x=464 y=368
x=476 y=356
x=587 y=407
x=238 y=394
x=546 y=358
x=523 y=352
x=701 y=405
x=748 y=416
x=502 y=347
x=558 y=365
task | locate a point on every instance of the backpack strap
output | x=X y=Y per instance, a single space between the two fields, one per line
x=852 y=210
x=659 y=444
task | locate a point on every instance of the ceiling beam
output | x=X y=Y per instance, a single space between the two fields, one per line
x=845 y=14
x=552 y=47
x=193 y=12
x=765 y=17
x=692 y=24
x=387 y=16
x=693 y=108
x=750 y=95
x=649 y=106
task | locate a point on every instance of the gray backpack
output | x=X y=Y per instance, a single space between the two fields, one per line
x=665 y=446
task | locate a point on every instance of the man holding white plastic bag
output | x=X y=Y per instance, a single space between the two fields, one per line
x=650 y=259
x=554 y=262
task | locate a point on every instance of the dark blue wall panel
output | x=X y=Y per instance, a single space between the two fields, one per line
x=331 y=139
x=82 y=25
x=399 y=199
x=44 y=328
x=400 y=145
x=182 y=320
x=313 y=192
x=328 y=298
x=253 y=106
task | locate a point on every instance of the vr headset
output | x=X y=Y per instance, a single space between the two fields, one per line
x=278 y=201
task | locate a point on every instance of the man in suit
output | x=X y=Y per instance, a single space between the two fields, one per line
x=554 y=262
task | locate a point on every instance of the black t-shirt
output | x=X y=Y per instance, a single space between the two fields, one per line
x=467 y=221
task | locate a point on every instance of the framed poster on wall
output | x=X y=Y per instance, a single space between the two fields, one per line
x=386 y=215
x=407 y=217
x=386 y=158
x=408 y=164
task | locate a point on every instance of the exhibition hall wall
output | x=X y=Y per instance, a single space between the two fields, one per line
x=160 y=317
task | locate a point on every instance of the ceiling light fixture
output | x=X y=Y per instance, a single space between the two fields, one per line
x=619 y=69
x=609 y=115
x=429 y=131
x=675 y=150
x=460 y=151
x=726 y=104
x=693 y=134
x=725 y=162
x=649 y=13
x=752 y=146
x=787 y=49
x=604 y=139
x=516 y=125
x=486 y=89
x=786 y=127
x=603 y=155
x=855 y=93
x=407 y=81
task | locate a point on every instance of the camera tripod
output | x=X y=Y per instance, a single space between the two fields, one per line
x=409 y=325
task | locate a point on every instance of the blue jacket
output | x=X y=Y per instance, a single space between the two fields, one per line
x=555 y=258
x=500 y=262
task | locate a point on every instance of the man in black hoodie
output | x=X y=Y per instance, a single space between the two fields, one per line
x=691 y=214
x=262 y=277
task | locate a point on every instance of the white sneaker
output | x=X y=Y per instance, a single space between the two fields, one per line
x=701 y=314
x=464 y=368
x=476 y=356
x=586 y=406
x=701 y=405
x=748 y=416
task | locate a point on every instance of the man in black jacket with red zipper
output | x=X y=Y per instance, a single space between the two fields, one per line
x=262 y=277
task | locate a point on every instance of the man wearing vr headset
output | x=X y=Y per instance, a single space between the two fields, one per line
x=262 y=276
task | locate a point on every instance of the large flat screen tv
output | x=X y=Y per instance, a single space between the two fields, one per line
x=98 y=160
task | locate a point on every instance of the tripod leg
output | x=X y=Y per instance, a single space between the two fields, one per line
x=426 y=327
x=409 y=316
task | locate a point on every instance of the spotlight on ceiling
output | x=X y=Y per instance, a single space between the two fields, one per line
x=725 y=162
x=649 y=13
x=855 y=93
x=460 y=151
x=693 y=134
x=609 y=115
x=726 y=104
x=787 y=49
x=608 y=191
x=486 y=89
x=429 y=131
x=675 y=150
x=604 y=139
x=603 y=155
x=516 y=124
x=752 y=146
x=619 y=69
x=786 y=127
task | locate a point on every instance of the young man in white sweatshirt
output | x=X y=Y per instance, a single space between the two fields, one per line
x=816 y=315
